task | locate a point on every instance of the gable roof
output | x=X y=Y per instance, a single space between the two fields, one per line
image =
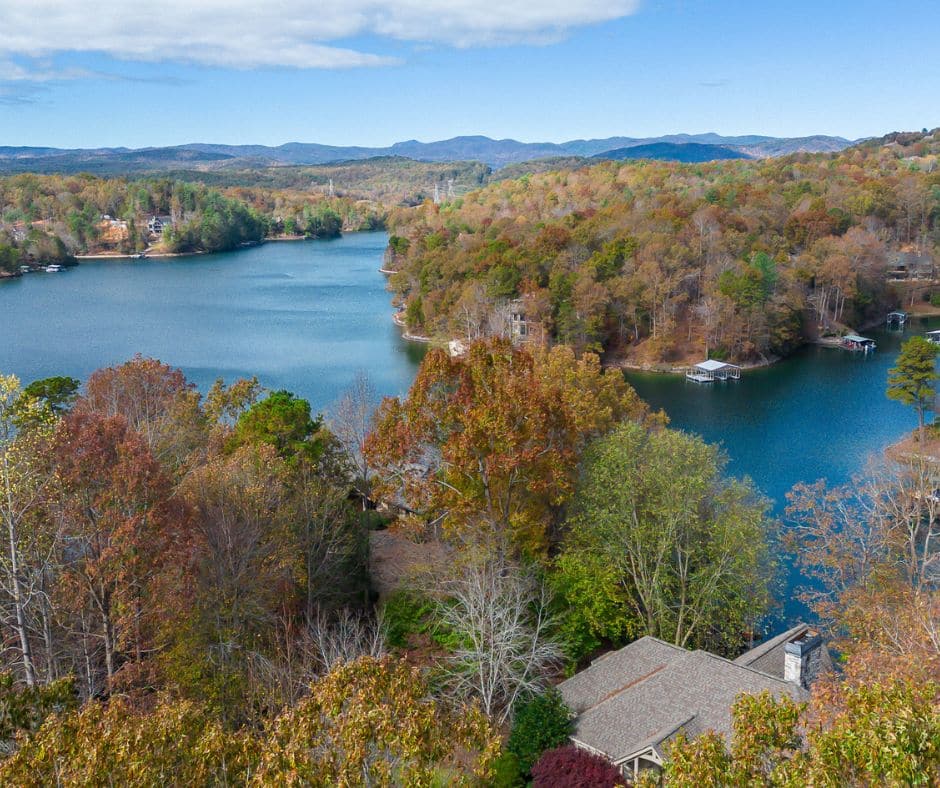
x=711 y=365
x=639 y=697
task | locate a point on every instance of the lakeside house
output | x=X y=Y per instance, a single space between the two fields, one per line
x=630 y=704
x=911 y=264
x=157 y=224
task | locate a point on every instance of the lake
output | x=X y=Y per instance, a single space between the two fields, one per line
x=306 y=316
x=822 y=413
x=303 y=315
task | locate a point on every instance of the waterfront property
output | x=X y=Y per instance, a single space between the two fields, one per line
x=711 y=370
x=859 y=344
x=631 y=703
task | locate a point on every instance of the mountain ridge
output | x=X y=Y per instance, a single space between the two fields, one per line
x=496 y=153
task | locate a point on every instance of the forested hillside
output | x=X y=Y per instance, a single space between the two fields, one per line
x=188 y=596
x=655 y=262
x=48 y=218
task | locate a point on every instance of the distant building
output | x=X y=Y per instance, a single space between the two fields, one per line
x=630 y=704
x=157 y=224
x=523 y=331
x=911 y=265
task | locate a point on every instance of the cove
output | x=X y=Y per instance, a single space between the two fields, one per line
x=820 y=414
x=302 y=315
x=306 y=316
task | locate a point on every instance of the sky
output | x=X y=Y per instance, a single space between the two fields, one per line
x=104 y=73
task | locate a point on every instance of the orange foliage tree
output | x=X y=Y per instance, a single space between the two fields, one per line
x=490 y=442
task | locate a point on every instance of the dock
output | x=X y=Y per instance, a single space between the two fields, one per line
x=709 y=371
x=896 y=320
x=858 y=344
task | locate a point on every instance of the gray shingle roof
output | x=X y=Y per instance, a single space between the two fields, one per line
x=643 y=694
x=768 y=656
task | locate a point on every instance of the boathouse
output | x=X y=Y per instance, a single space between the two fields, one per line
x=711 y=370
x=856 y=343
x=896 y=319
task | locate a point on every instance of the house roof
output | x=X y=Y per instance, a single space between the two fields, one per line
x=640 y=696
x=768 y=657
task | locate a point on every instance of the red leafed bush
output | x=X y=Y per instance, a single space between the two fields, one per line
x=569 y=767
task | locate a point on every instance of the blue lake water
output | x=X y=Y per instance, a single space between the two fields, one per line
x=821 y=414
x=305 y=316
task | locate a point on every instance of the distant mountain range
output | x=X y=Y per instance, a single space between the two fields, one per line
x=675 y=151
x=495 y=153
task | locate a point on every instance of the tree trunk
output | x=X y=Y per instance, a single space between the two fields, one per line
x=16 y=589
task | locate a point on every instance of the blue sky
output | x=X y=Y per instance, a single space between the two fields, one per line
x=373 y=72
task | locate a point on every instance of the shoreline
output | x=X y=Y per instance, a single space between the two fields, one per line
x=406 y=334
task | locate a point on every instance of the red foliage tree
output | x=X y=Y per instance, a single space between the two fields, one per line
x=122 y=528
x=570 y=767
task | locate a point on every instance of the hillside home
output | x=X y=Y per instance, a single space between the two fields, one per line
x=630 y=704
x=157 y=224
x=523 y=331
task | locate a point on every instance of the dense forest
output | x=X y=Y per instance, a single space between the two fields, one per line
x=655 y=262
x=199 y=590
x=50 y=218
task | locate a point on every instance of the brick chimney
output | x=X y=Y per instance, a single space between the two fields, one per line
x=802 y=658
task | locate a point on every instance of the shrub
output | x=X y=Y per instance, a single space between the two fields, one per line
x=403 y=616
x=541 y=722
x=935 y=299
x=569 y=767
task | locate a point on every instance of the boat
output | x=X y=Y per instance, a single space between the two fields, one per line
x=53 y=269
x=933 y=337
x=25 y=269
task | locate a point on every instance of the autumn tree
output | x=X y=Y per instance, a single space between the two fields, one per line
x=870 y=549
x=25 y=476
x=874 y=732
x=911 y=381
x=155 y=400
x=572 y=767
x=489 y=443
x=660 y=542
x=374 y=722
x=114 y=506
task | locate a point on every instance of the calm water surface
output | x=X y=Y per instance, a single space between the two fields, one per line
x=300 y=315
x=306 y=316
x=821 y=414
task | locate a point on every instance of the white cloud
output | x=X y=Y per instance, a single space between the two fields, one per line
x=291 y=33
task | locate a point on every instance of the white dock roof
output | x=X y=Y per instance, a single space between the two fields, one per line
x=712 y=366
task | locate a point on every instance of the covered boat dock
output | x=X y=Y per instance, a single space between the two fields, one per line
x=896 y=319
x=711 y=370
x=856 y=343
